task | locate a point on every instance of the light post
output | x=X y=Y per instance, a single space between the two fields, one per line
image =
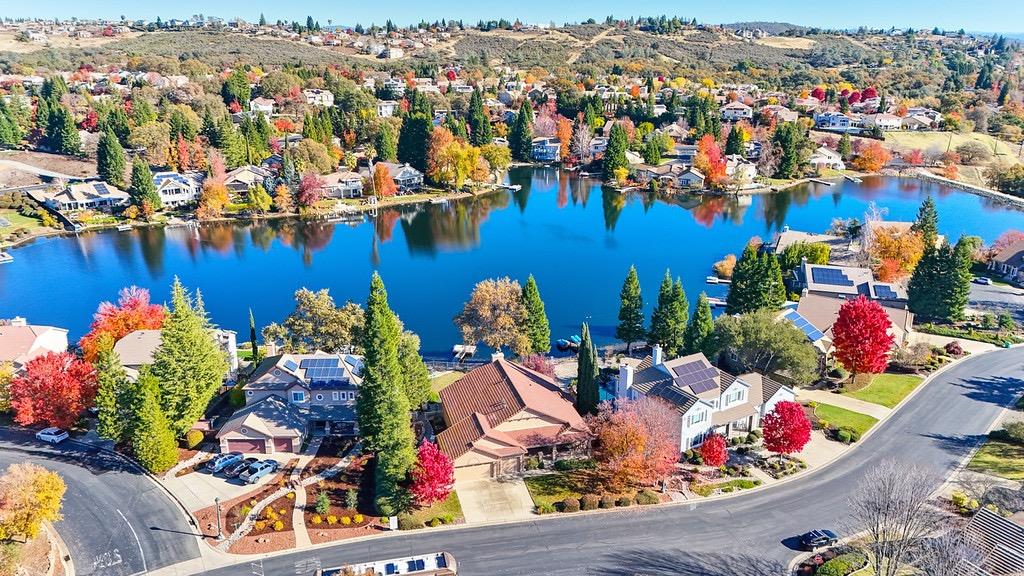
x=220 y=532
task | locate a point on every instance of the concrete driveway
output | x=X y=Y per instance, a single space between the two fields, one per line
x=494 y=500
x=996 y=299
x=197 y=490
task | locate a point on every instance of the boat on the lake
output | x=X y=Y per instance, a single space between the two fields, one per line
x=5 y=258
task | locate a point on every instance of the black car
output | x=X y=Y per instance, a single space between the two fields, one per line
x=236 y=468
x=818 y=539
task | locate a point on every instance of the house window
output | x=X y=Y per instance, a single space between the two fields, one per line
x=335 y=396
x=696 y=418
x=351 y=395
x=319 y=397
x=298 y=396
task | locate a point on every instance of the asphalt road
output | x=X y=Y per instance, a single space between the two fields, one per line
x=117 y=521
x=997 y=299
x=750 y=535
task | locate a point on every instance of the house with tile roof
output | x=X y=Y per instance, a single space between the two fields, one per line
x=318 y=390
x=708 y=400
x=21 y=342
x=501 y=412
x=997 y=545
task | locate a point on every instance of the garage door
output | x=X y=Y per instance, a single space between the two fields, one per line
x=282 y=444
x=473 y=472
x=246 y=446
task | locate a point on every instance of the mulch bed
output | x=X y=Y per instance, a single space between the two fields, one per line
x=330 y=452
x=279 y=510
x=231 y=509
x=358 y=476
x=262 y=543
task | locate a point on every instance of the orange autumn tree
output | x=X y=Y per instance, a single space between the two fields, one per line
x=710 y=162
x=563 y=131
x=896 y=250
x=383 y=184
x=440 y=138
x=635 y=442
x=132 y=312
x=872 y=158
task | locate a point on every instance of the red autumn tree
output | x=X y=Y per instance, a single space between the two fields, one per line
x=869 y=93
x=53 y=390
x=786 y=428
x=861 y=336
x=90 y=122
x=538 y=363
x=713 y=451
x=1005 y=240
x=710 y=161
x=432 y=476
x=383 y=184
x=637 y=441
x=182 y=151
x=915 y=157
x=132 y=312
x=818 y=93
x=311 y=189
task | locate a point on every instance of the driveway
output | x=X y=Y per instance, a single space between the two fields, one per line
x=197 y=490
x=995 y=299
x=494 y=500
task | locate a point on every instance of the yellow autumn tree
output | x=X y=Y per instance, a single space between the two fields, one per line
x=29 y=496
x=895 y=251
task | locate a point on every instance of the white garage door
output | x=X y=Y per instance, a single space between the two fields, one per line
x=473 y=472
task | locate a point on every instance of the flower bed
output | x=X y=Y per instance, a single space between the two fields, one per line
x=275 y=517
x=350 y=510
x=330 y=452
x=780 y=468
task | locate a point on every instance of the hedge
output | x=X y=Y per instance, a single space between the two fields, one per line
x=842 y=565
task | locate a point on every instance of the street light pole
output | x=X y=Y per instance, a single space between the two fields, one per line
x=220 y=532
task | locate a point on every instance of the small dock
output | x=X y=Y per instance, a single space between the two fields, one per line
x=716 y=302
x=512 y=187
x=819 y=181
x=6 y=258
x=853 y=179
x=124 y=228
x=717 y=280
x=463 y=351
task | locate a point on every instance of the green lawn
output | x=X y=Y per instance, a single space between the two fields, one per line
x=1002 y=459
x=908 y=140
x=842 y=418
x=551 y=488
x=449 y=507
x=886 y=389
x=439 y=382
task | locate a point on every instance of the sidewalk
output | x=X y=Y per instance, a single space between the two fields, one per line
x=876 y=411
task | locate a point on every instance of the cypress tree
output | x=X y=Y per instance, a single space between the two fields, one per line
x=940 y=285
x=773 y=288
x=110 y=159
x=756 y=283
x=117 y=121
x=152 y=438
x=631 y=311
x=652 y=151
x=845 y=147
x=61 y=132
x=679 y=314
x=615 y=153
x=413 y=141
x=698 y=336
x=386 y=144
x=661 y=318
x=479 y=123
x=256 y=357
x=588 y=396
x=188 y=363
x=734 y=142
x=43 y=118
x=537 y=328
x=927 y=223
x=142 y=188
x=923 y=289
x=415 y=376
x=112 y=395
x=520 y=137
x=790 y=139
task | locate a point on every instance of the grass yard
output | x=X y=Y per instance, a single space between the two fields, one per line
x=15 y=221
x=553 y=488
x=842 y=418
x=886 y=389
x=1000 y=458
x=449 y=508
x=437 y=383
x=910 y=140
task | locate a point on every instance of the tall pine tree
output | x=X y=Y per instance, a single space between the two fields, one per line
x=588 y=395
x=538 y=330
x=927 y=223
x=110 y=159
x=520 y=137
x=143 y=189
x=631 y=311
x=479 y=123
x=414 y=140
x=153 y=441
x=615 y=153
x=256 y=356
x=386 y=144
x=415 y=376
x=698 y=336
x=113 y=395
x=756 y=283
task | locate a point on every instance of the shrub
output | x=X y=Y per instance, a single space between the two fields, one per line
x=843 y=436
x=1014 y=431
x=245 y=511
x=405 y=522
x=323 y=502
x=290 y=495
x=842 y=565
x=545 y=508
x=351 y=498
x=625 y=501
x=260 y=525
x=607 y=501
x=358 y=518
x=532 y=463
x=316 y=520
x=193 y=438
x=824 y=424
x=839 y=373
x=236 y=397
x=435 y=522
x=847 y=435
x=447 y=518
x=589 y=502
x=345 y=520
x=570 y=504
x=954 y=349
x=735 y=441
x=575 y=464
x=332 y=520
x=758 y=433
x=647 y=497
x=278 y=526
x=751 y=438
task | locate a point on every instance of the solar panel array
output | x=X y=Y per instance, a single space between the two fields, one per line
x=830 y=276
x=697 y=376
x=885 y=292
x=290 y=366
x=812 y=333
x=331 y=362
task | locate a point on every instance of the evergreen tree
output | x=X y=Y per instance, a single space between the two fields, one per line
x=588 y=395
x=414 y=140
x=142 y=188
x=661 y=324
x=256 y=356
x=756 y=283
x=117 y=121
x=11 y=132
x=386 y=143
x=43 y=118
x=415 y=376
x=236 y=89
x=927 y=223
x=679 y=314
x=1004 y=93
x=479 y=123
x=520 y=137
x=110 y=159
x=153 y=442
x=112 y=396
x=631 y=311
x=188 y=363
x=698 y=335
x=538 y=330
x=652 y=151
x=790 y=139
x=940 y=285
x=61 y=132
x=615 y=153
x=845 y=147
x=734 y=142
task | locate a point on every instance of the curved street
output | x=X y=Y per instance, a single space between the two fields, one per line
x=117 y=521
x=751 y=534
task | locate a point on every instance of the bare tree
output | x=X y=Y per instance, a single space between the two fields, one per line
x=890 y=509
x=946 y=554
x=581 y=139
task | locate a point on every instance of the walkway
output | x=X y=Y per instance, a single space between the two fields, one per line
x=838 y=400
x=972 y=346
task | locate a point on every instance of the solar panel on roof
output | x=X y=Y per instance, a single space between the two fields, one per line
x=885 y=292
x=290 y=365
x=830 y=276
x=812 y=333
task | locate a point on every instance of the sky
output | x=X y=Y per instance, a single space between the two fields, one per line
x=977 y=15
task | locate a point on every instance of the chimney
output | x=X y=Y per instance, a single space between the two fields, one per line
x=803 y=260
x=625 y=381
x=785 y=228
x=497 y=356
x=19 y=321
x=803 y=292
x=656 y=356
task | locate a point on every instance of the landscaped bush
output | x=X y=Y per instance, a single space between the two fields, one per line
x=752 y=438
x=847 y=435
x=963 y=503
x=625 y=501
x=647 y=497
x=435 y=522
x=954 y=349
x=1014 y=431
x=345 y=520
x=405 y=522
x=351 y=498
x=589 y=502
x=570 y=504
x=842 y=565
x=968 y=334
x=193 y=438
x=332 y=520
x=278 y=526
x=575 y=464
x=236 y=397
x=545 y=508
x=532 y=463
x=607 y=501
x=316 y=519
x=358 y=518
x=839 y=373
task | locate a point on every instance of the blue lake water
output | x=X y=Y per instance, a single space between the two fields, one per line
x=575 y=237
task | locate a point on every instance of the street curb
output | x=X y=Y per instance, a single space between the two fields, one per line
x=65 y=559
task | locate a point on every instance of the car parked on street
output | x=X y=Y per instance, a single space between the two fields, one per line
x=53 y=435
x=223 y=461
x=238 y=467
x=983 y=281
x=254 y=472
x=815 y=539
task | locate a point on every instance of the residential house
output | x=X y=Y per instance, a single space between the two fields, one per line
x=290 y=395
x=177 y=189
x=386 y=108
x=392 y=53
x=707 y=399
x=85 y=196
x=882 y=121
x=824 y=157
x=736 y=110
x=739 y=169
x=836 y=122
x=242 y=178
x=21 y=342
x=343 y=184
x=262 y=105
x=672 y=174
x=546 y=149
x=137 y=348
x=317 y=97
x=407 y=178
x=685 y=153
x=810 y=104
x=501 y=412
x=789 y=237
x=846 y=282
x=815 y=314
x=781 y=113
x=996 y=545
x=1009 y=261
x=598 y=144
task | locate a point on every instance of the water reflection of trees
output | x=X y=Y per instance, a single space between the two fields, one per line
x=306 y=236
x=453 y=226
x=612 y=202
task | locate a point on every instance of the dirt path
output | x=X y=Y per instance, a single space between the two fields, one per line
x=575 y=54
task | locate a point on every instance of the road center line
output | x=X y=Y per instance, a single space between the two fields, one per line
x=139 y=543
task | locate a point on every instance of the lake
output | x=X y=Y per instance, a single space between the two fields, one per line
x=575 y=237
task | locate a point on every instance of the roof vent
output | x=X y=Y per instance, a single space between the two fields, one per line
x=19 y=321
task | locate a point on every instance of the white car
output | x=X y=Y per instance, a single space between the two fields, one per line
x=52 y=435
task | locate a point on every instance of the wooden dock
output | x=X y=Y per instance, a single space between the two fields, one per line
x=717 y=280
x=716 y=302
x=825 y=182
x=853 y=179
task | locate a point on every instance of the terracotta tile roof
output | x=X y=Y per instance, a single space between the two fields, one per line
x=491 y=394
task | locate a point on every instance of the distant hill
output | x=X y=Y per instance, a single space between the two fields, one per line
x=774 y=28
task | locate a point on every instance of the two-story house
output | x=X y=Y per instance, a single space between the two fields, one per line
x=545 y=149
x=177 y=189
x=343 y=184
x=737 y=110
x=291 y=395
x=709 y=401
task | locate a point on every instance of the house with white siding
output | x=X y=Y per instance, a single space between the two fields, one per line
x=177 y=189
